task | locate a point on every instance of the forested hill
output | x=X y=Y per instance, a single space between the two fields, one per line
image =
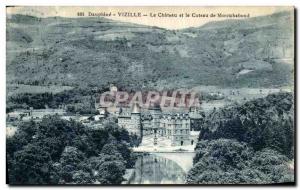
x=96 y=51
x=248 y=144
x=263 y=123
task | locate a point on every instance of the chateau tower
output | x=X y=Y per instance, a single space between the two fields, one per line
x=196 y=115
x=136 y=120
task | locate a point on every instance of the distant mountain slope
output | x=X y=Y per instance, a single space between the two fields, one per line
x=97 y=51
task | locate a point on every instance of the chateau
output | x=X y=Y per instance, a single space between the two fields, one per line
x=174 y=126
x=154 y=122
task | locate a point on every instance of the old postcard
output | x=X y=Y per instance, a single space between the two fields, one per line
x=150 y=95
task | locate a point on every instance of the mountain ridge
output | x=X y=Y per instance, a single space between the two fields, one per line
x=93 y=52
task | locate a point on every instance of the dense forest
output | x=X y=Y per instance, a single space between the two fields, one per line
x=249 y=143
x=57 y=151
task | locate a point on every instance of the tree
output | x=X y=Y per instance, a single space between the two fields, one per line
x=60 y=151
x=117 y=132
x=70 y=159
x=111 y=172
x=262 y=123
x=226 y=161
x=82 y=177
x=32 y=165
x=119 y=149
x=273 y=165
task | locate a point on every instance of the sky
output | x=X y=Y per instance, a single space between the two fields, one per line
x=163 y=22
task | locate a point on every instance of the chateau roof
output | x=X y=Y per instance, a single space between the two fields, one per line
x=136 y=108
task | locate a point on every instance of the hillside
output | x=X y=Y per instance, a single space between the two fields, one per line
x=95 y=52
x=251 y=143
x=262 y=123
